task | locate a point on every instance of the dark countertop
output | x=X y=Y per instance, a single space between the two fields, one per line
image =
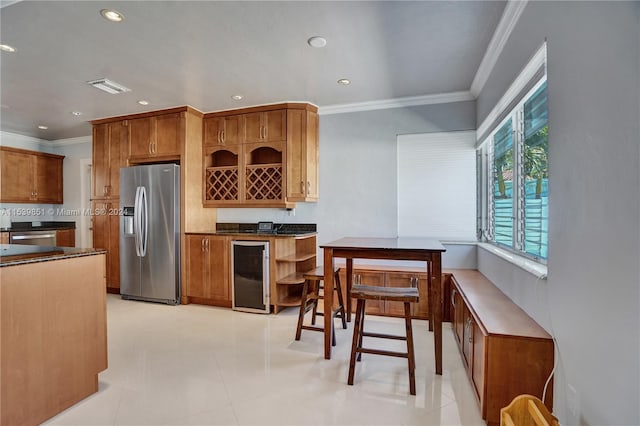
x=279 y=229
x=44 y=226
x=252 y=235
x=17 y=254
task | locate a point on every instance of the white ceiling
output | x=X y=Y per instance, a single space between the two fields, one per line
x=200 y=53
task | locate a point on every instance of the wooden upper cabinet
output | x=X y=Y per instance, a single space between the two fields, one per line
x=302 y=155
x=109 y=155
x=156 y=138
x=222 y=130
x=30 y=176
x=48 y=178
x=276 y=160
x=265 y=126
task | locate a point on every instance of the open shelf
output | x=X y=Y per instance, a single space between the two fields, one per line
x=296 y=257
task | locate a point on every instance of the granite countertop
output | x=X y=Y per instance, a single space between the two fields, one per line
x=16 y=254
x=249 y=230
x=39 y=226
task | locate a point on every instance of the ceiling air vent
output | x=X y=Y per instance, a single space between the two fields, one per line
x=108 y=86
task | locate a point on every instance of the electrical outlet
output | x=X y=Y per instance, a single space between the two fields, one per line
x=573 y=404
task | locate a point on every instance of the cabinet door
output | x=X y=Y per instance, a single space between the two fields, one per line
x=296 y=156
x=222 y=130
x=457 y=314
x=269 y=126
x=374 y=278
x=253 y=127
x=421 y=309
x=197 y=266
x=275 y=125
x=100 y=161
x=467 y=337
x=17 y=184
x=311 y=160
x=66 y=238
x=117 y=156
x=478 y=360
x=48 y=177
x=106 y=235
x=4 y=238
x=169 y=135
x=140 y=137
x=397 y=279
x=217 y=252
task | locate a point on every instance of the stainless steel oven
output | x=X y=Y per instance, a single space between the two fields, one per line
x=34 y=238
x=250 y=263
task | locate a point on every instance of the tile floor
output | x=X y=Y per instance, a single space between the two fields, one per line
x=201 y=365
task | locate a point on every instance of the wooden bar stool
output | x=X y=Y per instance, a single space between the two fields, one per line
x=362 y=293
x=310 y=296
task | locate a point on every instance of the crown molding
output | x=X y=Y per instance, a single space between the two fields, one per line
x=510 y=16
x=70 y=141
x=441 y=98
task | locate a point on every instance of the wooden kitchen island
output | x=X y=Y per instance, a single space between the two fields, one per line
x=53 y=332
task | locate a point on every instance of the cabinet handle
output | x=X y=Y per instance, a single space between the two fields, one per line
x=202 y=245
x=219 y=137
x=207 y=245
x=453 y=298
x=308 y=187
x=470 y=337
x=150 y=148
x=155 y=147
x=302 y=187
x=222 y=136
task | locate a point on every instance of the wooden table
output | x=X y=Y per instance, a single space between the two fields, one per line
x=420 y=249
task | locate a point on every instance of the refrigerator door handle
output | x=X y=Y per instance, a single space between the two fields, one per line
x=137 y=225
x=144 y=216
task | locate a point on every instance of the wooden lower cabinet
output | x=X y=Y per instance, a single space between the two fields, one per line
x=208 y=266
x=4 y=238
x=66 y=238
x=106 y=235
x=505 y=352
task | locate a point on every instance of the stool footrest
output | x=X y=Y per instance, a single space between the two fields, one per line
x=382 y=352
x=384 y=336
x=312 y=328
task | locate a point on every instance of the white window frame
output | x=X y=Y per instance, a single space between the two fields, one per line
x=485 y=160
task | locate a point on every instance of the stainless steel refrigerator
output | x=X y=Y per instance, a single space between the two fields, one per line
x=150 y=233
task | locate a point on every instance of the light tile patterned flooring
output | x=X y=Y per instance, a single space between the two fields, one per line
x=201 y=365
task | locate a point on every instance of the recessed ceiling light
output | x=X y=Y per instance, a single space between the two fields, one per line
x=7 y=48
x=143 y=102
x=344 y=81
x=41 y=127
x=317 y=41
x=236 y=97
x=112 y=15
x=76 y=113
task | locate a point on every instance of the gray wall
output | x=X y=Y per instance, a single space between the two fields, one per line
x=358 y=173
x=592 y=295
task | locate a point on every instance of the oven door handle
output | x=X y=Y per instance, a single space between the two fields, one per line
x=32 y=237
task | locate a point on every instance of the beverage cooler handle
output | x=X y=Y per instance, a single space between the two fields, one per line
x=265 y=279
x=140 y=221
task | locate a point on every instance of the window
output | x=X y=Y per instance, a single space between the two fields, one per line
x=513 y=180
x=437 y=185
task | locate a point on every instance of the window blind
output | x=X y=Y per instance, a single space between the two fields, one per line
x=437 y=185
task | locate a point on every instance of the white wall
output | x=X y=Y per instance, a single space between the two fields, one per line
x=591 y=300
x=358 y=174
x=75 y=150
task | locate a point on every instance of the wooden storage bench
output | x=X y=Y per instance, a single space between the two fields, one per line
x=505 y=352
